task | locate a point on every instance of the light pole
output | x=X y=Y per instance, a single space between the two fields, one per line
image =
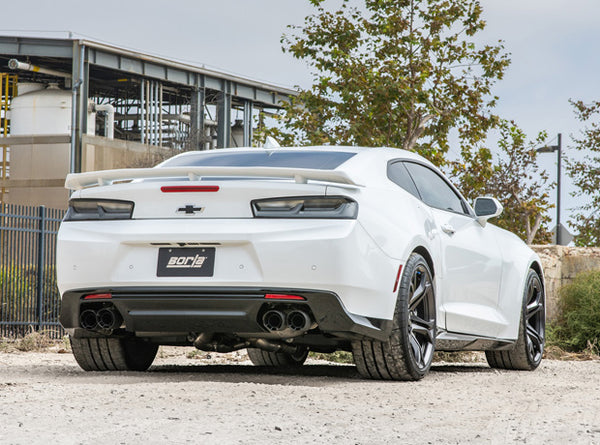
x=552 y=149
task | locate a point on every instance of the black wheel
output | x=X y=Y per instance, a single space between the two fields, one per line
x=260 y=357
x=408 y=353
x=113 y=354
x=529 y=348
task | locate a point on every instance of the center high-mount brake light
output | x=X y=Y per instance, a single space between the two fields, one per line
x=189 y=188
x=283 y=297
x=98 y=297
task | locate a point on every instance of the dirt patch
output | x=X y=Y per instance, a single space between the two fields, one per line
x=187 y=398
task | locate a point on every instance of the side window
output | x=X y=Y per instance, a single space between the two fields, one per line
x=398 y=174
x=434 y=190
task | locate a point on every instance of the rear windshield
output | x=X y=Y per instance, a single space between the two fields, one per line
x=320 y=160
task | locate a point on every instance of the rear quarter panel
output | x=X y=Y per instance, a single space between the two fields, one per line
x=517 y=259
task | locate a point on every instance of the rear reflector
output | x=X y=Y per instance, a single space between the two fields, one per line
x=189 y=188
x=97 y=296
x=283 y=297
x=397 y=278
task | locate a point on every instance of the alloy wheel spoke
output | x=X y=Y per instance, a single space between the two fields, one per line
x=531 y=292
x=416 y=348
x=534 y=309
x=418 y=294
x=421 y=326
x=424 y=291
x=535 y=337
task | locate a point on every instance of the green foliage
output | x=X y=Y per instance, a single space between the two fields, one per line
x=578 y=327
x=18 y=289
x=585 y=173
x=395 y=73
x=514 y=179
x=335 y=357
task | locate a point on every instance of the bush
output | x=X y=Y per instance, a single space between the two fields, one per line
x=18 y=293
x=578 y=327
x=35 y=342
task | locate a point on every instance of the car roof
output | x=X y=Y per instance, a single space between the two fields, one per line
x=367 y=166
x=364 y=152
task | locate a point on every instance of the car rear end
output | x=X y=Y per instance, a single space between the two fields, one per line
x=223 y=260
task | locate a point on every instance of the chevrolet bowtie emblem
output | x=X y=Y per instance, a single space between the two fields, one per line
x=190 y=209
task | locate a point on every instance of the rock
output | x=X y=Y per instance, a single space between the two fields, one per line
x=561 y=264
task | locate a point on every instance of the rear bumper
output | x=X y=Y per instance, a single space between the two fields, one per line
x=336 y=256
x=177 y=311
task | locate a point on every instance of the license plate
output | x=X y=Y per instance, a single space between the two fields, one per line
x=186 y=262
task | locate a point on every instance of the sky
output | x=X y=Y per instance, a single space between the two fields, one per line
x=552 y=45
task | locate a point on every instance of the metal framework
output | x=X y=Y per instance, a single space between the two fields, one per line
x=8 y=89
x=157 y=101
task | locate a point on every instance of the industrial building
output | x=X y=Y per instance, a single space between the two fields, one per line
x=73 y=105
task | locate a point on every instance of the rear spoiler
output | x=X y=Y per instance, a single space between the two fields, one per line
x=76 y=181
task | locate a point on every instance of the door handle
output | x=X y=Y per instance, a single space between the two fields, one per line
x=447 y=228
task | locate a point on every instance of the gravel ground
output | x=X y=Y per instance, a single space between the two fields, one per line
x=46 y=398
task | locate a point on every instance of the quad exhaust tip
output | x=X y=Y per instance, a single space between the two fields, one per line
x=296 y=320
x=88 y=319
x=274 y=320
x=105 y=318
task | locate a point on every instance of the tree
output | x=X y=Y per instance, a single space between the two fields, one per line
x=514 y=179
x=585 y=173
x=401 y=73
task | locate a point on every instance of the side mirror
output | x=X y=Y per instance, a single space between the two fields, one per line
x=486 y=208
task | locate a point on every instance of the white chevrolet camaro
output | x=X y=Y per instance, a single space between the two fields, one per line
x=289 y=250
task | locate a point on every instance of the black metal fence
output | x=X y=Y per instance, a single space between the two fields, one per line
x=29 y=298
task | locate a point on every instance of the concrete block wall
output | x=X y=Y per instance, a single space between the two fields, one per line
x=561 y=264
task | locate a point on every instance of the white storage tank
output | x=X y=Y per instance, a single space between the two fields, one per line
x=41 y=112
x=28 y=87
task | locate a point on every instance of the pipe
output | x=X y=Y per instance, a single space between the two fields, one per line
x=204 y=342
x=109 y=121
x=160 y=114
x=147 y=111
x=203 y=339
x=298 y=320
x=88 y=319
x=109 y=318
x=14 y=64
x=273 y=320
x=266 y=345
x=74 y=124
x=154 y=113
x=142 y=121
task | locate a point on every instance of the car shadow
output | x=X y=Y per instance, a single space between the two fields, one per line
x=329 y=374
x=237 y=373
x=461 y=368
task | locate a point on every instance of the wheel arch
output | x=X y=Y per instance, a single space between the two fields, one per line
x=421 y=250
x=537 y=267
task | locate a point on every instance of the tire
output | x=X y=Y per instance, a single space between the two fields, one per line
x=260 y=357
x=529 y=348
x=408 y=353
x=113 y=354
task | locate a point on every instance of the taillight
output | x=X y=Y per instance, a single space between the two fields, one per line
x=283 y=297
x=306 y=207
x=98 y=297
x=98 y=209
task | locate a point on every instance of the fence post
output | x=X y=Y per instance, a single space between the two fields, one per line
x=41 y=252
